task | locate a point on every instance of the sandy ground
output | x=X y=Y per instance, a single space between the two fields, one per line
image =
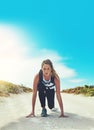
x=80 y=110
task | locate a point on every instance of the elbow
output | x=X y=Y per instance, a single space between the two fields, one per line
x=57 y=94
x=34 y=93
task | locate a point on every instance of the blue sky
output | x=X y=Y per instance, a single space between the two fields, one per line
x=60 y=30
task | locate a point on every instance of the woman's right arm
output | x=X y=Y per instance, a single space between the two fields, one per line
x=34 y=95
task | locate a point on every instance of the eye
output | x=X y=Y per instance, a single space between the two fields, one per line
x=44 y=68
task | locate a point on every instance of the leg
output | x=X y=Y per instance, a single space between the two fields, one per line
x=50 y=98
x=42 y=99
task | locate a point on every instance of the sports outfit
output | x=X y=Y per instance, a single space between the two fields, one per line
x=46 y=89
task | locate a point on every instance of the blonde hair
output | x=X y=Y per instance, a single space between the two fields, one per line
x=47 y=61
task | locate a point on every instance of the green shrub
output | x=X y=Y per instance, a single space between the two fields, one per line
x=6 y=88
x=14 y=89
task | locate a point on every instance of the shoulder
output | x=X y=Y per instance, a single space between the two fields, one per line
x=36 y=78
x=56 y=78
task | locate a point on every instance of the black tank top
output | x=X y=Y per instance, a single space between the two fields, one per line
x=45 y=85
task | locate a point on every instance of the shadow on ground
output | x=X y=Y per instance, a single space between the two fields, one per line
x=52 y=122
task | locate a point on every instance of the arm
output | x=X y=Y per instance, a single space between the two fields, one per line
x=58 y=95
x=34 y=95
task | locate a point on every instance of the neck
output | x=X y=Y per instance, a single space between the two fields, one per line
x=47 y=77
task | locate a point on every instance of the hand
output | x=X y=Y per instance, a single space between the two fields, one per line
x=62 y=115
x=30 y=115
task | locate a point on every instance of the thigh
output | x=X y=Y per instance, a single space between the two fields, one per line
x=50 y=98
x=42 y=98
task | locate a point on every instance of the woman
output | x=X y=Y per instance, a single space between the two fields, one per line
x=46 y=82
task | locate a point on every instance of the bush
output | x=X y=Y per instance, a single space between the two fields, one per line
x=14 y=89
x=86 y=90
x=6 y=88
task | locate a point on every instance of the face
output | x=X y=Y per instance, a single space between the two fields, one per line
x=46 y=70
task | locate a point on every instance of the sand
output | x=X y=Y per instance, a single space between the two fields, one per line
x=80 y=110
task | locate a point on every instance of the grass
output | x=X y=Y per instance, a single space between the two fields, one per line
x=7 y=88
x=85 y=90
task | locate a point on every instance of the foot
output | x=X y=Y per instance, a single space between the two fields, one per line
x=44 y=112
x=54 y=109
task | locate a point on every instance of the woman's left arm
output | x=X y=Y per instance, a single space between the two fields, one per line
x=58 y=95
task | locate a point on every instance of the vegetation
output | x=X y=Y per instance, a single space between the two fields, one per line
x=7 y=88
x=85 y=90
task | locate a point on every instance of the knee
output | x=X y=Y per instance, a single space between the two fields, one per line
x=50 y=107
